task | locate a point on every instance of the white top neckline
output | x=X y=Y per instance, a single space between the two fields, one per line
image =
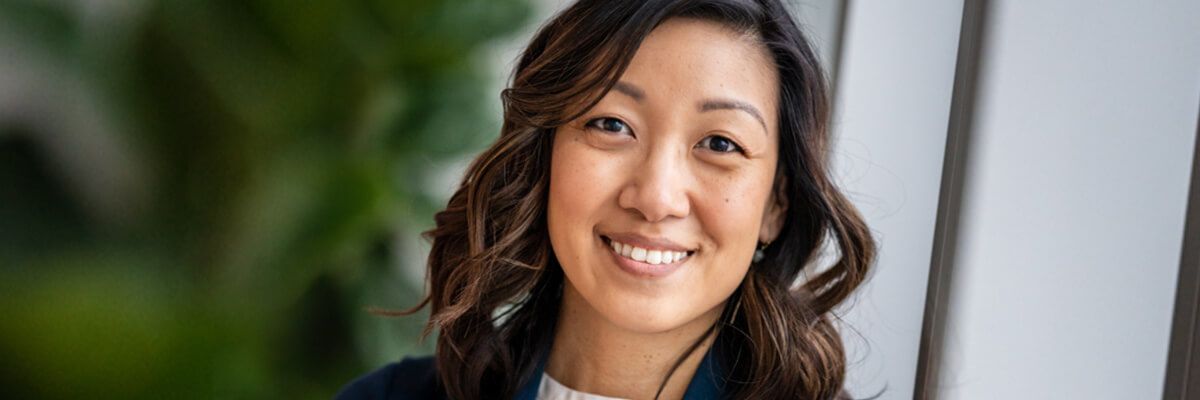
x=551 y=389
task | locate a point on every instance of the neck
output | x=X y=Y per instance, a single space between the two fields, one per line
x=592 y=355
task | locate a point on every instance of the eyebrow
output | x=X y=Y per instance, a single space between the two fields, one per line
x=705 y=105
x=729 y=104
x=630 y=90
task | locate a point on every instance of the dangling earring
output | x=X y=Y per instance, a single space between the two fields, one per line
x=758 y=252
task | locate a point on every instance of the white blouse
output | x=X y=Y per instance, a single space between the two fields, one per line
x=551 y=389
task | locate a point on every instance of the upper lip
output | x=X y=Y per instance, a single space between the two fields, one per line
x=646 y=242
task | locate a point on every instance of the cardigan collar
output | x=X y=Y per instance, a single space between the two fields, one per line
x=706 y=383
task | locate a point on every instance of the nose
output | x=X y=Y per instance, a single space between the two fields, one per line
x=658 y=186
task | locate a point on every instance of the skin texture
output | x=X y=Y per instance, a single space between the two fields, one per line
x=659 y=171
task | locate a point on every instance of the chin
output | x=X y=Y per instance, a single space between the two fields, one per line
x=636 y=314
x=647 y=322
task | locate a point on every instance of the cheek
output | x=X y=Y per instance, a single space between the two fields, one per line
x=731 y=209
x=578 y=190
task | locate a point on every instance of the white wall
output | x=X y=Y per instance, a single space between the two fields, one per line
x=892 y=111
x=820 y=21
x=1074 y=204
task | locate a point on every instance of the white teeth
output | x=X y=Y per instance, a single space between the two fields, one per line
x=653 y=257
x=638 y=254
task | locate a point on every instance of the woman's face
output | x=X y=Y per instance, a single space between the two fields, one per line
x=660 y=193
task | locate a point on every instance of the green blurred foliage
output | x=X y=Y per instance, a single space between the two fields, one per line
x=208 y=194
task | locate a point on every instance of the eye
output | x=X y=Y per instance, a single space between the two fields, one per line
x=719 y=144
x=608 y=124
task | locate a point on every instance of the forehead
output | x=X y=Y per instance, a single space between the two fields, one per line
x=686 y=59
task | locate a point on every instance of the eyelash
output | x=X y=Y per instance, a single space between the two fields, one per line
x=736 y=148
x=596 y=123
x=593 y=124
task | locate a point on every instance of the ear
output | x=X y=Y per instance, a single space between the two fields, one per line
x=773 y=217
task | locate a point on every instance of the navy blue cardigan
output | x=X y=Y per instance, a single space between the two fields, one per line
x=416 y=379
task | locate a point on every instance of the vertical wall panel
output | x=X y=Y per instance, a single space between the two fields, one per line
x=1073 y=212
x=893 y=102
x=1183 y=372
x=945 y=234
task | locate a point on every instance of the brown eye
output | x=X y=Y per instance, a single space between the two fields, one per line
x=719 y=144
x=607 y=124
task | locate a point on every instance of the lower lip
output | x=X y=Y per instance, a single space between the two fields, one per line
x=641 y=269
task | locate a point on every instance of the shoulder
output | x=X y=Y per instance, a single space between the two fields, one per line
x=414 y=378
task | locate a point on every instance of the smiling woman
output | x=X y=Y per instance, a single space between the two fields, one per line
x=676 y=177
x=641 y=227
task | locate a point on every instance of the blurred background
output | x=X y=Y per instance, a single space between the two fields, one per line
x=201 y=199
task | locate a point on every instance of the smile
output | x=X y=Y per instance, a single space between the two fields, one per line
x=646 y=255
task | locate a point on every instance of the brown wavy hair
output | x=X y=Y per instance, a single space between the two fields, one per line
x=495 y=284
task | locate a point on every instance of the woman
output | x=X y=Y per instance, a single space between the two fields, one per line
x=641 y=226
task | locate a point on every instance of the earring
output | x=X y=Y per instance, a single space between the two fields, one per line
x=758 y=252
